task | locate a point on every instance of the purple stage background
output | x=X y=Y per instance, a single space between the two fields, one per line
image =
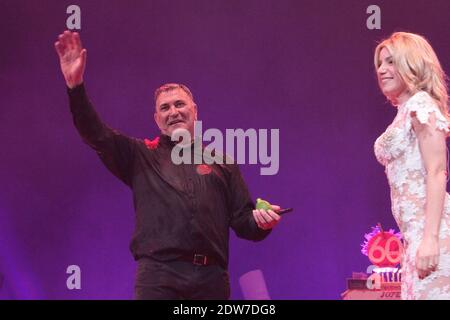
x=304 y=67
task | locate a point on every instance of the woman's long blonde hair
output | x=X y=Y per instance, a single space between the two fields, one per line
x=418 y=66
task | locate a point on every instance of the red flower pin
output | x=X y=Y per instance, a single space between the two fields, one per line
x=152 y=144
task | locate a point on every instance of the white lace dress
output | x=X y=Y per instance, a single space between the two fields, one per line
x=398 y=150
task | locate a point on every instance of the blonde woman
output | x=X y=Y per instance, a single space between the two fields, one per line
x=413 y=151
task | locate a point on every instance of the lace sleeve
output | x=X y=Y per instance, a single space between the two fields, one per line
x=423 y=105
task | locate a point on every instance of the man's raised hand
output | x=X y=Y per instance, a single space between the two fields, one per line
x=72 y=57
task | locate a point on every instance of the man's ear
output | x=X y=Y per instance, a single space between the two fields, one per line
x=195 y=111
x=155 y=116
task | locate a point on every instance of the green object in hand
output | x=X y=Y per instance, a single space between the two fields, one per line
x=263 y=204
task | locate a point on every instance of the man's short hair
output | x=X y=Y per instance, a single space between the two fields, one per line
x=171 y=86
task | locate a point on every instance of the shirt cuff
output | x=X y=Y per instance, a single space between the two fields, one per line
x=76 y=90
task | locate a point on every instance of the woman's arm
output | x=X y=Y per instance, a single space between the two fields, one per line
x=433 y=150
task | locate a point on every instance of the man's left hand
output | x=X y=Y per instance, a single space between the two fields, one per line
x=267 y=219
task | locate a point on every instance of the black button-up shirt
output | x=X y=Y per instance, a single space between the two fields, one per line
x=180 y=209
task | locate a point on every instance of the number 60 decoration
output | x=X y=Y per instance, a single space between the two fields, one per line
x=383 y=248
